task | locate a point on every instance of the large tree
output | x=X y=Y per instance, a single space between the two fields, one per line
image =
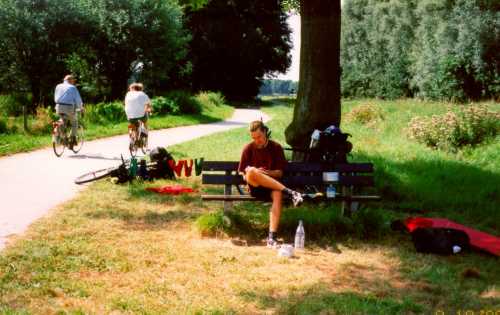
x=318 y=99
x=137 y=36
x=33 y=37
x=235 y=43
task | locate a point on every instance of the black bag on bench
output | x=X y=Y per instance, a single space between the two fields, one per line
x=332 y=146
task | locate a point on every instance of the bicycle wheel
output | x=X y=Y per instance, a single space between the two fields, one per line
x=144 y=143
x=58 y=142
x=95 y=175
x=132 y=147
x=79 y=139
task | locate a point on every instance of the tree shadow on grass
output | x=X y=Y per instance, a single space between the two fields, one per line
x=357 y=288
x=452 y=189
x=319 y=299
x=150 y=210
x=148 y=220
x=324 y=224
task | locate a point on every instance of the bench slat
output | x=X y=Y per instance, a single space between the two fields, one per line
x=290 y=181
x=220 y=166
x=294 y=167
x=217 y=179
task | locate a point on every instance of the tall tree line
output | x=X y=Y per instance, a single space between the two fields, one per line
x=435 y=49
x=103 y=41
x=220 y=45
x=273 y=86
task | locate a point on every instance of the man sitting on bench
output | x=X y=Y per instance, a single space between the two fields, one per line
x=262 y=162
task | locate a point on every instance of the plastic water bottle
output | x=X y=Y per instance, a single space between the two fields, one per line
x=330 y=191
x=300 y=236
x=133 y=167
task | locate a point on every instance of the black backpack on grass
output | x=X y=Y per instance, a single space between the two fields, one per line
x=439 y=240
x=161 y=169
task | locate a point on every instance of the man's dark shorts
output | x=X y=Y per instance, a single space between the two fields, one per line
x=136 y=120
x=260 y=193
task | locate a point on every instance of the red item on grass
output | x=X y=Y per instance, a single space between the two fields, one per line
x=478 y=239
x=171 y=190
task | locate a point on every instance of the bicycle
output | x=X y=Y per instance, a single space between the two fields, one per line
x=156 y=168
x=61 y=139
x=138 y=137
x=115 y=171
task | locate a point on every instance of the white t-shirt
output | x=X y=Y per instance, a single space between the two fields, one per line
x=135 y=104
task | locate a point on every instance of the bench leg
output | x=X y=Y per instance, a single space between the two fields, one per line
x=228 y=205
x=348 y=206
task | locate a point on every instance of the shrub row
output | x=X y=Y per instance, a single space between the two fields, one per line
x=174 y=103
x=460 y=126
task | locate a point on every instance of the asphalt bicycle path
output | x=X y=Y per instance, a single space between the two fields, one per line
x=33 y=183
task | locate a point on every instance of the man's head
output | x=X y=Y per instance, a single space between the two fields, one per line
x=259 y=133
x=136 y=87
x=70 y=78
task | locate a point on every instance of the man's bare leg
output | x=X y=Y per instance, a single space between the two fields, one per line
x=275 y=212
x=256 y=178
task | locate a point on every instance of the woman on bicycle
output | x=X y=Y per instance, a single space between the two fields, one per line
x=137 y=104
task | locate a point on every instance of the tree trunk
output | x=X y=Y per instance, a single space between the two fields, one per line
x=318 y=98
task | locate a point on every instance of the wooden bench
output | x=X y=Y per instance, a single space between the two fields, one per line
x=352 y=177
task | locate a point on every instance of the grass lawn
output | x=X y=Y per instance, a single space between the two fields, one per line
x=117 y=249
x=21 y=141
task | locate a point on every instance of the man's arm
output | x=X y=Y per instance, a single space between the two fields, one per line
x=77 y=98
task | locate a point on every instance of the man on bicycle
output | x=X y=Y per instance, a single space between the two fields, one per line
x=68 y=102
x=137 y=104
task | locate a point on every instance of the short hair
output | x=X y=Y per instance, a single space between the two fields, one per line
x=257 y=125
x=69 y=77
x=136 y=87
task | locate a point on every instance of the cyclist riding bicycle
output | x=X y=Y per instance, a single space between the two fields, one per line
x=137 y=105
x=68 y=102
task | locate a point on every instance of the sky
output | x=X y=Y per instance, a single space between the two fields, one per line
x=293 y=71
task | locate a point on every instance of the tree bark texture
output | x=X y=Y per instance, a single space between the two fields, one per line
x=318 y=98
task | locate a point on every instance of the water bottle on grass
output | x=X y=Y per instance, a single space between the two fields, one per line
x=300 y=236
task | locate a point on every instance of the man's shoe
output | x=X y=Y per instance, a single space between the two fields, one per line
x=296 y=198
x=312 y=196
x=272 y=243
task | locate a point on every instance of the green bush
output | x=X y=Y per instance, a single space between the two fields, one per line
x=43 y=120
x=210 y=99
x=212 y=223
x=185 y=101
x=102 y=113
x=12 y=104
x=163 y=105
x=366 y=114
x=463 y=126
x=3 y=125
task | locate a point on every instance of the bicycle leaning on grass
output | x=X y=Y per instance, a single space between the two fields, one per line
x=61 y=135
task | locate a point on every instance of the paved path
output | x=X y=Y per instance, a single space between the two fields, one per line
x=33 y=183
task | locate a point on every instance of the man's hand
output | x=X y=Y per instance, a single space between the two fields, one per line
x=263 y=170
